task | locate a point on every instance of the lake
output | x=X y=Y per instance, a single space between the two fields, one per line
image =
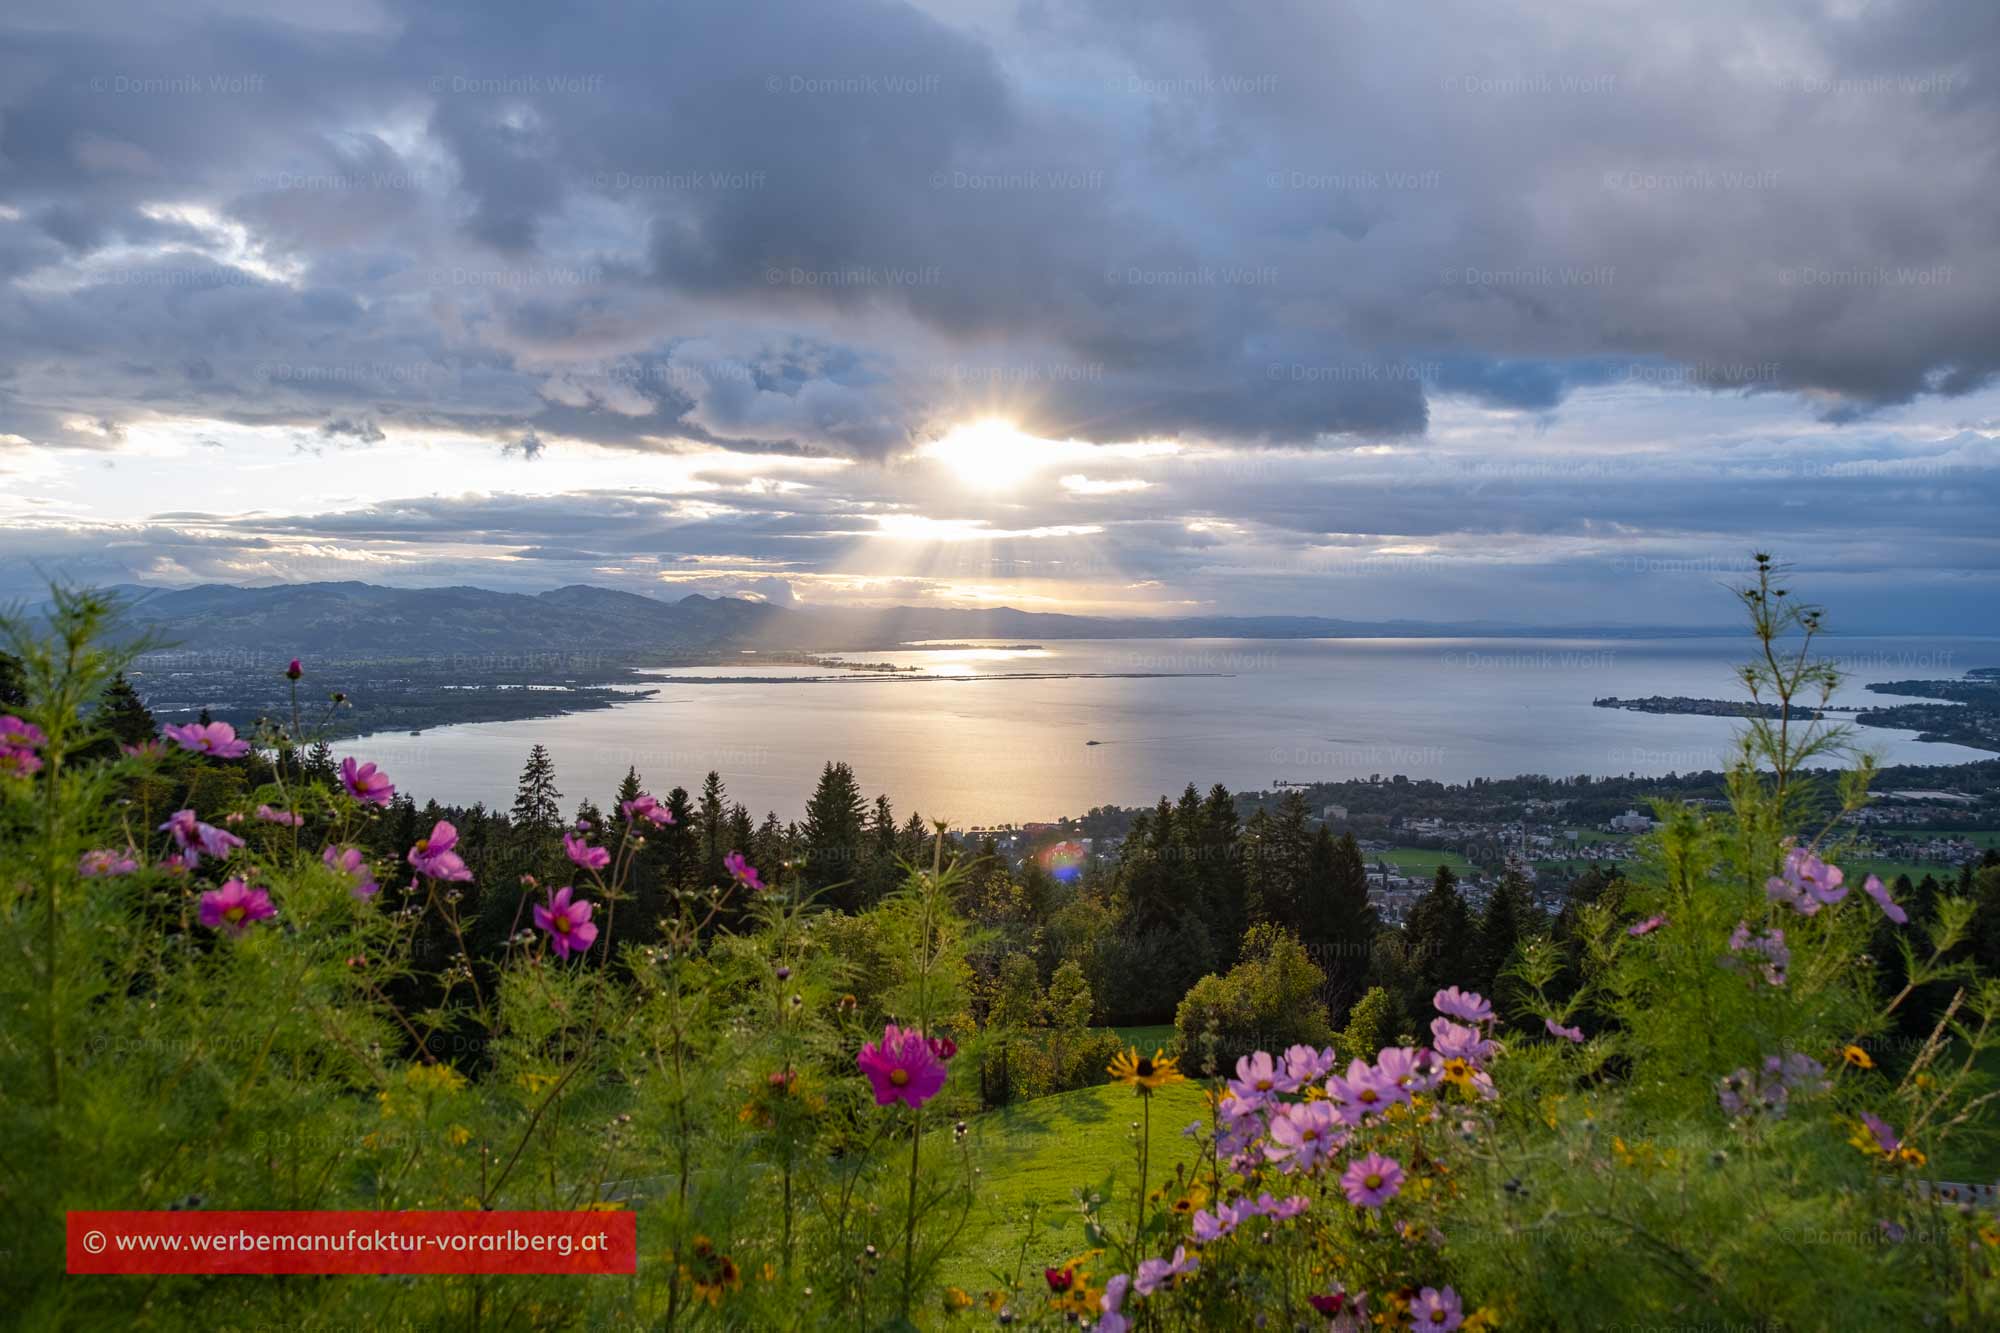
x=994 y=733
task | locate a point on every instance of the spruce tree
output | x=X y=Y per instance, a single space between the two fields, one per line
x=124 y=715
x=13 y=682
x=1508 y=920
x=1438 y=935
x=833 y=836
x=537 y=803
x=713 y=820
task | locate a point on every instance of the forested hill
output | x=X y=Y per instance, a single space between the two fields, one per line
x=360 y=620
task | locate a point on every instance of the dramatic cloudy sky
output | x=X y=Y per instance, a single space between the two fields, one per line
x=1540 y=310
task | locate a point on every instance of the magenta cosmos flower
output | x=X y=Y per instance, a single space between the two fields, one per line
x=1371 y=1181
x=902 y=1067
x=18 y=761
x=647 y=808
x=1874 y=888
x=349 y=861
x=235 y=908
x=1558 y=1030
x=434 y=855
x=98 y=865
x=1467 y=1006
x=1437 y=1310
x=742 y=871
x=217 y=739
x=196 y=839
x=366 y=783
x=15 y=731
x=580 y=851
x=272 y=815
x=567 y=919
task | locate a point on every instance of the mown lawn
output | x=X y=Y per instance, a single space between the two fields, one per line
x=1421 y=860
x=1042 y=1152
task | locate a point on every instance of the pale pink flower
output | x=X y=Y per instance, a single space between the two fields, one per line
x=1371 y=1181
x=101 y=864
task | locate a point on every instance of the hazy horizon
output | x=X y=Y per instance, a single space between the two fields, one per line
x=1513 y=312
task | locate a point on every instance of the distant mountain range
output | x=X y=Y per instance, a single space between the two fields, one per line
x=365 y=621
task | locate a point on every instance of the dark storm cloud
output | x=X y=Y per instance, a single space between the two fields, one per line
x=1116 y=220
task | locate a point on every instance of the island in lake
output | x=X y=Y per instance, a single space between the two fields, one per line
x=1966 y=712
x=1680 y=703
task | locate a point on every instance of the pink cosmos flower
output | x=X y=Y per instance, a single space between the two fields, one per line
x=366 y=783
x=1302 y=1135
x=1800 y=1073
x=902 y=1067
x=1257 y=1078
x=349 y=861
x=101 y=864
x=1437 y=1310
x=1742 y=1093
x=1885 y=1137
x=1890 y=907
x=18 y=731
x=272 y=815
x=1277 y=1209
x=1469 y=1006
x=568 y=922
x=1768 y=945
x=581 y=852
x=1304 y=1064
x=1558 y=1030
x=1463 y=1043
x=647 y=808
x=434 y=855
x=18 y=761
x=1371 y=1181
x=943 y=1047
x=235 y=908
x=1211 y=1227
x=143 y=750
x=1807 y=884
x=744 y=873
x=1361 y=1093
x=1157 y=1273
x=1646 y=927
x=196 y=839
x=217 y=739
x=1110 y=1306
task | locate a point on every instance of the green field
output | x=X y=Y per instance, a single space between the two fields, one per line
x=1420 y=860
x=1042 y=1152
x=1149 y=1038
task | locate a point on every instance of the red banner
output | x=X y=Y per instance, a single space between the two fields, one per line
x=353 y=1242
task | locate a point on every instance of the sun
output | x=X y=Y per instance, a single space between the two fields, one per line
x=992 y=454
